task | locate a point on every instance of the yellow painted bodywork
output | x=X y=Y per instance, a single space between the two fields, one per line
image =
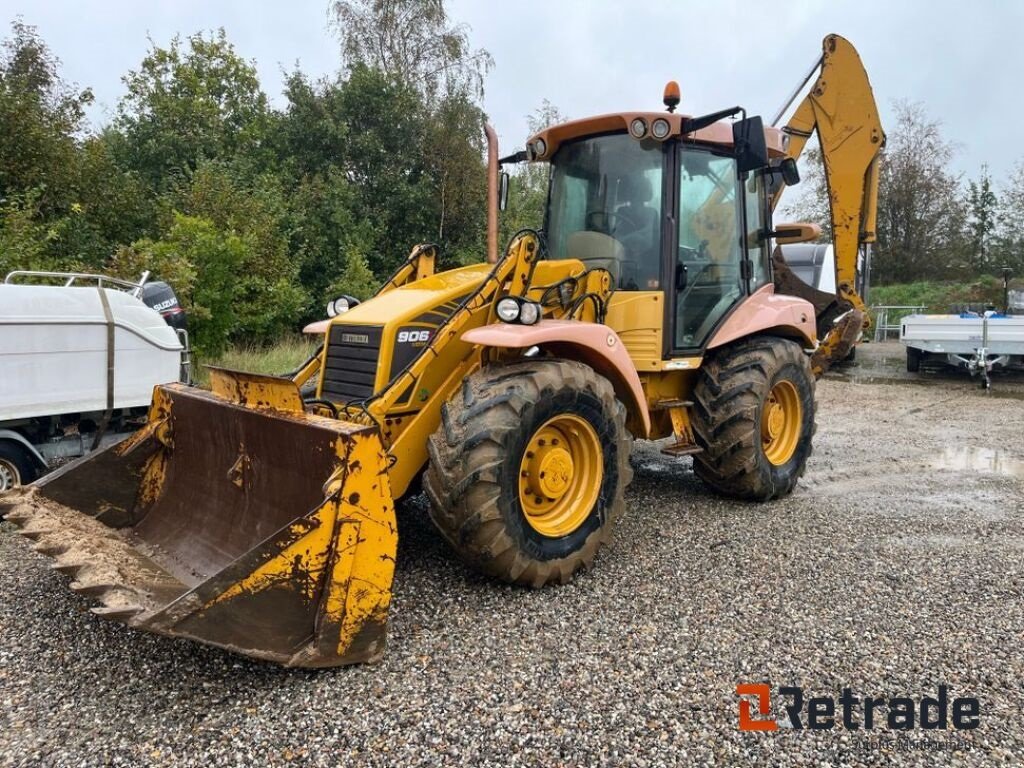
x=841 y=108
x=638 y=317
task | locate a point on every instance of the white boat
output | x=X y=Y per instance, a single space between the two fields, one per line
x=55 y=342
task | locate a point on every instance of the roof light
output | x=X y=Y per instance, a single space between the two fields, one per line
x=660 y=128
x=671 y=98
x=638 y=127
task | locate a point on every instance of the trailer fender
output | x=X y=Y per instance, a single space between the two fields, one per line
x=9 y=434
x=595 y=344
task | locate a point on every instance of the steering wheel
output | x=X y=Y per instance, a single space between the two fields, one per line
x=700 y=253
x=607 y=222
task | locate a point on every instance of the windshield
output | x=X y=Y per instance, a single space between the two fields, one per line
x=605 y=208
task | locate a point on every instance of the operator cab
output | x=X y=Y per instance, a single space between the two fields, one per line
x=665 y=204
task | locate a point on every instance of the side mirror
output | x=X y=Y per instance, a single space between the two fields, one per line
x=503 y=184
x=801 y=232
x=789 y=172
x=749 y=144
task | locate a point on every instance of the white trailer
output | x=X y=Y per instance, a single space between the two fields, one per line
x=979 y=342
x=78 y=363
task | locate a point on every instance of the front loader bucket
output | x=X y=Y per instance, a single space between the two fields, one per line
x=232 y=518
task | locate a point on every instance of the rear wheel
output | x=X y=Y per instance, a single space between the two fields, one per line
x=754 y=418
x=16 y=466
x=528 y=469
x=914 y=357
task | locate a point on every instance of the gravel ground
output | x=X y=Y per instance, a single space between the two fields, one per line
x=897 y=565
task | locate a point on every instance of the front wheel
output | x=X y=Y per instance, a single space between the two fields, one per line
x=754 y=417
x=528 y=469
x=16 y=466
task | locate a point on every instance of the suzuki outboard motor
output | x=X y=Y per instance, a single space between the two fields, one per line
x=160 y=296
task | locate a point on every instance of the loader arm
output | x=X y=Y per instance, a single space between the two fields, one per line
x=840 y=107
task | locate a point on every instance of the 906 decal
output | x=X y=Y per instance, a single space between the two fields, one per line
x=413 y=337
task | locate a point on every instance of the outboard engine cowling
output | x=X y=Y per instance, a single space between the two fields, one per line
x=160 y=296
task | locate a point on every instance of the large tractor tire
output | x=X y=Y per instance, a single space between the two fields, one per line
x=528 y=469
x=754 y=417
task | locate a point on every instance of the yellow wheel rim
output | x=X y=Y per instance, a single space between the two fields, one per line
x=781 y=422
x=560 y=475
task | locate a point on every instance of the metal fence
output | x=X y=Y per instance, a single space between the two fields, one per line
x=889 y=317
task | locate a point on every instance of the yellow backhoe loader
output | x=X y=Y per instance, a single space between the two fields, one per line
x=260 y=520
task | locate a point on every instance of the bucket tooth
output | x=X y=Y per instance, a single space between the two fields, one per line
x=67 y=565
x=35 y=534
x=50 y=548
x=117 y=612
x=93 y=590
x=19 y=515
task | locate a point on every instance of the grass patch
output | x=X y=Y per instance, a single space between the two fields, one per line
x=276 y=359
x=940 y=298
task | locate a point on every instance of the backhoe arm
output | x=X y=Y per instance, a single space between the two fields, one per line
x=841 y=108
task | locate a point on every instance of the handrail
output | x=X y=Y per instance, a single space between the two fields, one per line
x=70 y=277
x=882 y=324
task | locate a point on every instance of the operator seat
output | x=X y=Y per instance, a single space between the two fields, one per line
x=597 y=250
x=634 y=215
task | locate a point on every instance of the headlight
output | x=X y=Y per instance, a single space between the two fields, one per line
x=529 y=313
x=515 y=309
x=337 y=307
x=539 y=147
x=508 y=309
x=638 y=127
x=660 y=128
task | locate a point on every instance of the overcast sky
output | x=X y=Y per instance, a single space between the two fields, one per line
x=964 y=61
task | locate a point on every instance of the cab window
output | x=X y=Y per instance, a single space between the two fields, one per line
x=605 y=207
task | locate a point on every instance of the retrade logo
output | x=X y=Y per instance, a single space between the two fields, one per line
x=899 y=713
x=763 y=694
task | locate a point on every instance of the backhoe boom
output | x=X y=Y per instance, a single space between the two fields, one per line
x=841 y=108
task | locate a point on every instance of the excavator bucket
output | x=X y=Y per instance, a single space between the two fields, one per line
x=233 y=518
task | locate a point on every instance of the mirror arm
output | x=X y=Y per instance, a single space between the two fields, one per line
x=696 y=123
x=767 y=234
x=516 y=157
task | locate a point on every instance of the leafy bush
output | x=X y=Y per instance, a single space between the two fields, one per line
x=202 y=263
x=939 y=297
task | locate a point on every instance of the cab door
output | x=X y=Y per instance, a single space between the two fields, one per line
x=710 y=273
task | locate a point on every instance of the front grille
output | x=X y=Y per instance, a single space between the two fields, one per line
x=351 y=369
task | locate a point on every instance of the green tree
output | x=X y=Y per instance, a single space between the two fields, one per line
x=1009 y=246
x=189 y=102
x=40 y=117
x=23 y=238
x=982 y=208
x=267 y=297
x=355 y=279
x=921 y=212
x=528 y=185
x=202 y=262
x=413 y=42
x=416 y=47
